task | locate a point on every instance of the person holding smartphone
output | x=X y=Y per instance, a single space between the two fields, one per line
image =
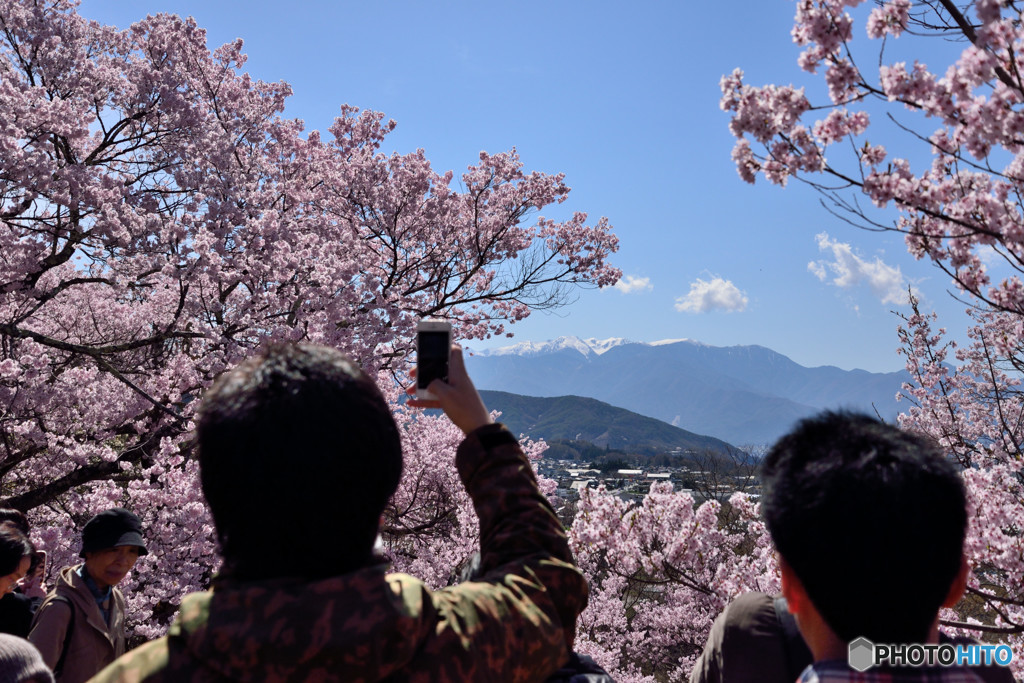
x=302 y=596
x=18 y=604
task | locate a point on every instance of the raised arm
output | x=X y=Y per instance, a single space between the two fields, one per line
x=522 y=609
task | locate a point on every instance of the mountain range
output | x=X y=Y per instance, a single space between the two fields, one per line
x=743 y=395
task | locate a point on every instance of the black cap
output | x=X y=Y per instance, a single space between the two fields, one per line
x=112 y=527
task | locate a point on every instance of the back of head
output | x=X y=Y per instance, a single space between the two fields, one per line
x=15 y=517
x=298 y=455
x=20 y=661
x=872 y=521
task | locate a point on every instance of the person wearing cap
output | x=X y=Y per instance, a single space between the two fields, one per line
x=79 y=628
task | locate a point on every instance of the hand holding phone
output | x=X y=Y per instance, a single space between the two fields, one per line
x=456 y=395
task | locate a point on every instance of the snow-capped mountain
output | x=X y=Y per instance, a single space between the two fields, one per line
x=528 y=348
x=740 y=394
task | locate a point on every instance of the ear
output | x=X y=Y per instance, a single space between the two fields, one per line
x=959 y=585
x=792 y=589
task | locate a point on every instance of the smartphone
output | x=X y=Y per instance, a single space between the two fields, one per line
x=37 y=565
x=433 y=352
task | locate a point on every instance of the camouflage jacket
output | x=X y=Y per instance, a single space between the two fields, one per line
x=516 y=623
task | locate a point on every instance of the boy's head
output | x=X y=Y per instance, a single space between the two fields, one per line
x=298 y=455
x=871 y=519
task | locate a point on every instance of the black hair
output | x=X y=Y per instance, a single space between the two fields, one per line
x=298 y=455
x=14 y=545
x=871 y=519
x=15 y=517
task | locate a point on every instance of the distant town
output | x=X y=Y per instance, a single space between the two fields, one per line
x=702 y=474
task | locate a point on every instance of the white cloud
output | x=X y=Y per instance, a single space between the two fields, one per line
x=989 y=256
x=716 y=294
x=848 y=269
x=632 y=283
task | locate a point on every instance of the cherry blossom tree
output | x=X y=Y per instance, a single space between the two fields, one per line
x=975 y=409
x=660 y=572
x=957 y=195
x=960 y=206
x=160 y=218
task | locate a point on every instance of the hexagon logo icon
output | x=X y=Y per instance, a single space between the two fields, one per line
x=862 y=654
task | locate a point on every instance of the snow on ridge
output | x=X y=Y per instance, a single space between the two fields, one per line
x=526 y=348
x=599 y=346
x=587 y=347
x=666 y=342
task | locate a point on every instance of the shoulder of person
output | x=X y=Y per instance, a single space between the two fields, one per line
x=56 y=601
x=146 y=662
x=752 y=609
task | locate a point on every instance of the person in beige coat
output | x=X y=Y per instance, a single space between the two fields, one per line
x=79 y=628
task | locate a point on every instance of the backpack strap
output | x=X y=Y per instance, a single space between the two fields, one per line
x=797 y=653
x=59 y=667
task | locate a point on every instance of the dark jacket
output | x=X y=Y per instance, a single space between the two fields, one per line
x=746 y=645
x=16 y=610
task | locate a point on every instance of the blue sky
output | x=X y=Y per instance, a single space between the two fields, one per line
x=622 y=98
